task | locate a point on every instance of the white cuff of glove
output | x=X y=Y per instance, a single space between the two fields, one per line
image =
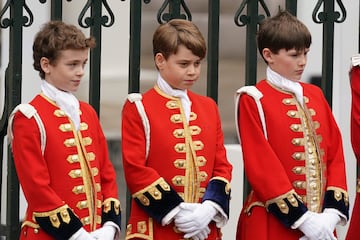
x=331 y=218
x=220 y=217
x=170 y=216
x=342 y=218
x=315 y=226
x=81 y=234
x=301 y=220
x=109 y=231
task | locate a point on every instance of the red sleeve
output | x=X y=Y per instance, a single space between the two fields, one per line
x=31 y=166
x=355 y=110
x=133 y=150
x=258 y=155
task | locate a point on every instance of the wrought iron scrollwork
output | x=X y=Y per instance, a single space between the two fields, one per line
x=163 y=17
x=86 y=22
x=242 y=20
x=321 y=17
x=44 y=1
x=6 y=22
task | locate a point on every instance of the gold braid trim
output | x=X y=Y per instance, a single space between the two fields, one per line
x=30 y=224
x=227 y=186
x=53 y=217
x=291 y=196
x=153 y=190
x=141 y=229
x=340 y=194
x=107 y=205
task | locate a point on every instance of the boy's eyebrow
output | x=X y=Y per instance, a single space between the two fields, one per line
x=189 y=60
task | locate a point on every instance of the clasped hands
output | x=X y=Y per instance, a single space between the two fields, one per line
x=319 y=225
x=106 y=232
x=193 y=219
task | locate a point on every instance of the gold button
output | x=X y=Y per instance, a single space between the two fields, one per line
x=86 y=220
x=77 y=172
x=64 y=214
x=36 y=231
x=178 y=180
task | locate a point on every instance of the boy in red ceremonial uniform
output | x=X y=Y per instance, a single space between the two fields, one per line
x=173 y=152
x=60 y=151
x=354 y=226
x=292 y=146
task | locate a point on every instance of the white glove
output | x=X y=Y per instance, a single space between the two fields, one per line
x=331 y=218
x=190 y=207
x=81 y=234
x=106 y=232
x=196 y=222
x=186 y=209
x=315 y=227
x=201 y=235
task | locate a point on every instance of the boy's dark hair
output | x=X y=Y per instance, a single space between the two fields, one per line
x=169 y=36
x=283 y=31
x=54 y=37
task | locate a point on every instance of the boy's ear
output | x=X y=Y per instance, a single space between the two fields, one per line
x=44 y=63
x=267 y=55
x=159 y=60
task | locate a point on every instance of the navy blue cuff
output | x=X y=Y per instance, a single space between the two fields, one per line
x=288 y=210
x=158 y=200
x=111 y=212
x=218 y=191
x=60 y=224
x=338 y=199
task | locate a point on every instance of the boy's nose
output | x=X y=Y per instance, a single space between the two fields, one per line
x=81 y=71
x=191 y=69
x=303 y=60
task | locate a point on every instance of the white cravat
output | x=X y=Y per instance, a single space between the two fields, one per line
x=182 y=94
x=285 y=84
x=65 y=100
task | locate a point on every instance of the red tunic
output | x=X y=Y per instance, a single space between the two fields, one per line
x=302 y=159
x=74 y=172
x=354 y=226
x=183 y=158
